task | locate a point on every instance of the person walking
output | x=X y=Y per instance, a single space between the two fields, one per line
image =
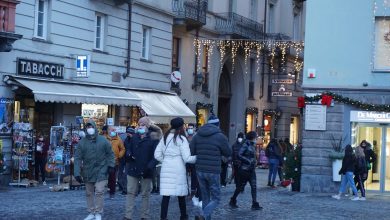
x=196 y=196
x=347 y=170
x=95 y=155
x=119 y=151
x=173 y=152
x=246 y=171
x=122 y=174
x=361 y=171
x=140 y=163
x=41 y=149
x=209 y=144
x=273 y=153
x=235 y=160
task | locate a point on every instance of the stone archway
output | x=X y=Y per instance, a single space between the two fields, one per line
x=224 y=98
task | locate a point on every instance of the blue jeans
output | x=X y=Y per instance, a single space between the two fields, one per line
x=273 y=169
x=209 y=184
x=348 y=179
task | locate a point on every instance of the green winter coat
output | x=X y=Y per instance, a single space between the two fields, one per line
x=93 y=156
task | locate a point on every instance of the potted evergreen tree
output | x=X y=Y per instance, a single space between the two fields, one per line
x=336 y=155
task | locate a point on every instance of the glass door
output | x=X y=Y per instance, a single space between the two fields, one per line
x=387 y=159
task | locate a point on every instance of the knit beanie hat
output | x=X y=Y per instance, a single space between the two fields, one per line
x=177 y=123
x=145 y=121
x=213 y=120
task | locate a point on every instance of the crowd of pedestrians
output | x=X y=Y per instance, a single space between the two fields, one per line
x=145 y=161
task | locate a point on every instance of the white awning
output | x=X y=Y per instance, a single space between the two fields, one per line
x=64 y=92
x=161 y=108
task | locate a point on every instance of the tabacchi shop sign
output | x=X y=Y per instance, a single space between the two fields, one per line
x=367 y=116
x=40 y=69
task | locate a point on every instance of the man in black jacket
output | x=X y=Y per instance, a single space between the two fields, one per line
x=246 y=171
x=140 y=165
x=122 y=174
x=209 y=144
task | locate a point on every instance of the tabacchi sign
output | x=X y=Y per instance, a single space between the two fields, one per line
x=40 y=69
x=366 y=116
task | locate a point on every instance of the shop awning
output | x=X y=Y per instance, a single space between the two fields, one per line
x=161 y=108
x=62 y=92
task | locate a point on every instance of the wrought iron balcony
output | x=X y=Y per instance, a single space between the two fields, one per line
x=238 y=26
x=277 y=36
x=190 y=12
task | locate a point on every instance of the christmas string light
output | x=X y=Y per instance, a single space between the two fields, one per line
x=247 y=49
x=258 y=53
x=273 y=53
x=234 y=54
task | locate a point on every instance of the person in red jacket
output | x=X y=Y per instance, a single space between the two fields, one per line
x=41 y=148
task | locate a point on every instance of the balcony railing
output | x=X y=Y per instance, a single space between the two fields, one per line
x=231 y=23
x=194 y=11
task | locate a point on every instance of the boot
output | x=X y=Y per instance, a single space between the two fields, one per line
x=256 y=206
x=185 y=217
x=233 y=203
x=269 y=183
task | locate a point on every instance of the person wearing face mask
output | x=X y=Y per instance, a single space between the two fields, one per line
x=140 y=165
x=41 y=148
x=94 y=153
x=246 y=171
x=119 y=151
x=236 y=162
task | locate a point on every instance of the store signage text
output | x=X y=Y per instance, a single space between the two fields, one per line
x=40 y=69
x=282 y=81
x=82 y=65
x=366 y=116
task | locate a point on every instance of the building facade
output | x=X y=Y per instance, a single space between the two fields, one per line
x=106 y=60
x=349 y=62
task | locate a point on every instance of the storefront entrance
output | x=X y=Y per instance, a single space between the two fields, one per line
x=379 y=137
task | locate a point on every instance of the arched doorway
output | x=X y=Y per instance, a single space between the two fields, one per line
x=224 y=98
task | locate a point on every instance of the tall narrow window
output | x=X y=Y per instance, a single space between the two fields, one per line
x=99 y=31
x=205 y=68
x=145 y=43
x=40 y=29
x=253 y=10
x=271 y=19
x=231 y=6
x=251 y=79
x=175 y=53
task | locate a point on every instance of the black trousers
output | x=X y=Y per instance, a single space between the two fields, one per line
x=359 y=182
x=165 y=204
x=224 y=167
x=40 y=167
x=244 y=177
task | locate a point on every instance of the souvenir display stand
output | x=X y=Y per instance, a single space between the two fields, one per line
x=22 y=152
x=58 y=155
x=74 y=138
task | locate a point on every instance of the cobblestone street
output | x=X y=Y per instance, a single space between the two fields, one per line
x=40 y=203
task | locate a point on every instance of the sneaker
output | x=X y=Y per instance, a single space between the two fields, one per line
x=200 y=204
x=256 y=206
x=195 y=201
x=362 y=199
x=112 y=196
x=98 y=216
x=355 y=198
x=44 y=183
x=336 y=196
x=233 y=203
x=90 y=217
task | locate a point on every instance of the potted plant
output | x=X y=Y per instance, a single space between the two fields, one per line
x=336 y=155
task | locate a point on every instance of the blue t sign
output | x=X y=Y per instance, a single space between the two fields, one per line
x=82 y=66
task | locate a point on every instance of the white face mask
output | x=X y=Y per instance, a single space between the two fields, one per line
x=91 y=131
x=239 y=140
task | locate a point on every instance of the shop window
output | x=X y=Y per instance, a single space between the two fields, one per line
x=145 y=49
x=41 y=14
x=203 y=115
x=294 y=130
x=6 y=116
x=382 y=40
x=249 y=122
x=100 y=28
x=99 y=113
x=267 y=125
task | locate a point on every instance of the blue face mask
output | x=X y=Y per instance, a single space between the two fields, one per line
x=113 y=134
x=190 y=131
x=141 y=130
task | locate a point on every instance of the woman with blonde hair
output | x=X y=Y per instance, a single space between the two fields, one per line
x=360 y=171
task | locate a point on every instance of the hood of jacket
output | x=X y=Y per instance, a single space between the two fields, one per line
x=208 y=130
x=155 y=132
x=94 y=136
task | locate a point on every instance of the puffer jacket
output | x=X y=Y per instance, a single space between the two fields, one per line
x=95 y=155
x=140 y=160
x=209 y=145
x=247 y=156
x=173 y=155
x=118 y=148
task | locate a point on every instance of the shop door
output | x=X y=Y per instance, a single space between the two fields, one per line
x=379 y=137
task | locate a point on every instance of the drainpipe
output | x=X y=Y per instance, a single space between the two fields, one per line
x=130 y=6
x=263 y=58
